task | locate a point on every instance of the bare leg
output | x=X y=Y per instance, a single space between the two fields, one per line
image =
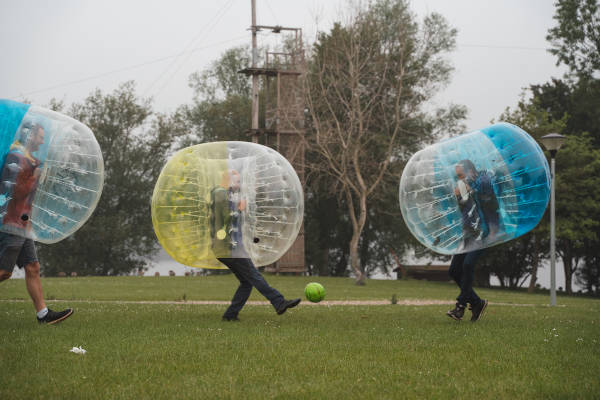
x=34 y=285
x=4 y=275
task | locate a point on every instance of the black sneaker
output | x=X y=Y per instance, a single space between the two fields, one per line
x=230 y=319
x=287 y=304
x=478 y=310
x=457 y=313
x=54 y=317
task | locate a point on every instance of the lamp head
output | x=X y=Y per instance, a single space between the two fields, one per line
x=553 y=141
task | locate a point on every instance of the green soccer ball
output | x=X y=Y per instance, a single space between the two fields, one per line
x=314 y=292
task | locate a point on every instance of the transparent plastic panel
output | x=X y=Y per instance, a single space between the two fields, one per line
x=476 y=190
x=52 y=173
x=227 y=200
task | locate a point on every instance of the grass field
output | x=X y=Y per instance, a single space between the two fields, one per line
x=182 y=350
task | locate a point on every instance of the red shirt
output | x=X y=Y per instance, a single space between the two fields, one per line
x=18 y=210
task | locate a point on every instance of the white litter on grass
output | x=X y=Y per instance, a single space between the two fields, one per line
x=78 y=350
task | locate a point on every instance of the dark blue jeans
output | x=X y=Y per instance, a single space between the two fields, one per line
x=249 y=277
x=462 y=270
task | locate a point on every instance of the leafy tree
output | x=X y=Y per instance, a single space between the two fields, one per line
x=576 y=39
x=514 y=261
x=577 y=203
x=221 y=111
x=578 y=99
x=366 y=88
x=385 y=236
x=326 y=231
x=222 y=100
x=222 y=78
x=118 y=238
x=570 y=106
x=577 y=188
x=576 y=43
x=531 y=249
x=588 y=275
x=577 y=102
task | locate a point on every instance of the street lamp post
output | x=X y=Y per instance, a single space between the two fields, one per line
x=552 y=142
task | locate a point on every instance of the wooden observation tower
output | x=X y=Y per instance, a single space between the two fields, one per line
x=283 y=128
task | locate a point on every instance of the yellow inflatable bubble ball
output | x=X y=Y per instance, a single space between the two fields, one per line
x=227 y=200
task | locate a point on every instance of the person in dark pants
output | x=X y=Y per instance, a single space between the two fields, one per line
x=227 y=206
x=462 y=266
x=462 y=271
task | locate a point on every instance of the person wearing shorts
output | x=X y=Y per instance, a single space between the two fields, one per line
x=17 y=188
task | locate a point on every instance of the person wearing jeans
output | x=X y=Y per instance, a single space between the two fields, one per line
x=462 y=266
x=227 y=206
x=462 y=271
x=250 y=277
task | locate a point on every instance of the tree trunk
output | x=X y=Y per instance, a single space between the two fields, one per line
x=567 y=267
x=341 y=266
x=532 y=280
x=354 y=260
x=482 y=277
x=502 y=283
x=534 y=267
x=324 y=262
x=357 y=228
x=401 y=274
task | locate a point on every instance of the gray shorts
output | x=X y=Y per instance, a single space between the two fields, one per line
x=16 y=250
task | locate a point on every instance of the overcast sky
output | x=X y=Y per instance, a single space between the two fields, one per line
x=67 y=48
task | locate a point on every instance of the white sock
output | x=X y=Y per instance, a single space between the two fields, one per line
x=42 y=313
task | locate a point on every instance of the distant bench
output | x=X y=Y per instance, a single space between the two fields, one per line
x=427 y=272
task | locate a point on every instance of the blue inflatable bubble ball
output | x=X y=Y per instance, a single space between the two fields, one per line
x=476 y=190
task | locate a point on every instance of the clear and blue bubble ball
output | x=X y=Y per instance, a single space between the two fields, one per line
x=476 y=190
x=52 y=172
